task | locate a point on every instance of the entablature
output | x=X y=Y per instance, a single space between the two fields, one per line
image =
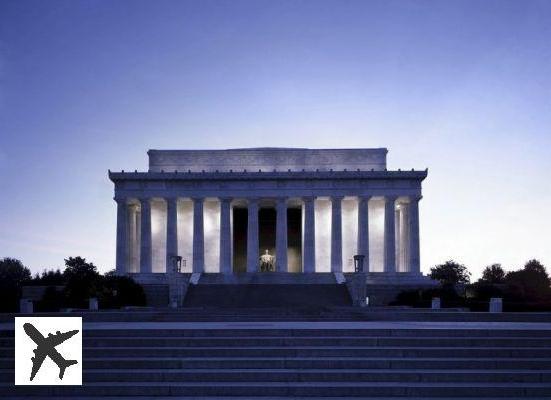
x=269 y=175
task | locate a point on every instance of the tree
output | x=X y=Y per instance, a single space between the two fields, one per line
x=493 y=274
x=82 y=280
x=530 y=282
x=536 y=267
x=77 y=266
x=49 y=278
x=13 y=275
x=450 y=272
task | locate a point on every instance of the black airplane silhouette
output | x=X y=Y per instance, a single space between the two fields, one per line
x=46 y=347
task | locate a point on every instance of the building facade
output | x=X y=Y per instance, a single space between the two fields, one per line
x=268 y=209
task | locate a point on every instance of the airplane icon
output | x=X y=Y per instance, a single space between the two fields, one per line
x=46 y=347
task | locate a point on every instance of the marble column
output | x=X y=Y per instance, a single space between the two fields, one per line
x=363 y=229
x=281 y=235
x=404 y=238
x=309 y=251
x=225 y=236
x=134 y=239
x=390 y=235
x=122 y=237
x=171 y=233
x=336 y=234
x=145 y=236
x=252 y=236
x=198 y=236
x=414 y=262
x=397 y=236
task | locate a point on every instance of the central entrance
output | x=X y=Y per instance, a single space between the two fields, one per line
x=267 y=238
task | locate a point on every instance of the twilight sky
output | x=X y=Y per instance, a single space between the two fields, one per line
x=460 y=87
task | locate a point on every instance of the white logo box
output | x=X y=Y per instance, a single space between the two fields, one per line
x=70 y=349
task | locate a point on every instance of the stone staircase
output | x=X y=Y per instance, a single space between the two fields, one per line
x=266 y=295
x=273 y=290
x=296 y=359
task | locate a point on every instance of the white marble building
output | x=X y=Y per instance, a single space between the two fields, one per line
x=312 y=209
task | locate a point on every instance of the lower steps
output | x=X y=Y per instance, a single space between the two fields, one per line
x=305 y=389
x=249 y=361
x=315 y=314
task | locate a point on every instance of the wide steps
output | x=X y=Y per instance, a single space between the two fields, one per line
x=260 y=360
x=319 y=351
x=300 y=314
x=306 y=389
x=274 y=341
x=323 y=375
x=310 y=332
x=308 y=375
x=307 y=363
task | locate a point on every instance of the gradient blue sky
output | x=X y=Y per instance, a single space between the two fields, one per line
x=460 y=87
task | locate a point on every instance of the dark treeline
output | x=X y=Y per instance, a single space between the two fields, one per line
x=525 y=289
x=70 y=288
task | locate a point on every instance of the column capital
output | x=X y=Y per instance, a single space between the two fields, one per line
x=144 y=200
x=197 y=199
x=252 y=200
x=337 y=198
x=365 y=197
x=121 y=200
x=281 y=200
x=225 y=199
x=308 y=199
x=391 y=197
x=171 y=198
x=415 y=198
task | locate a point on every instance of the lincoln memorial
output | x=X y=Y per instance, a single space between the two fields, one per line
x=264 y=210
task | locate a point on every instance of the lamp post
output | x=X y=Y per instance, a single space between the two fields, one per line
x=359 y=263
x=177 y=263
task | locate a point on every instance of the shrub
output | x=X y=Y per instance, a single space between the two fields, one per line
x=120 y=291
x=52 y=300
x=13 y=275
x=423 y=297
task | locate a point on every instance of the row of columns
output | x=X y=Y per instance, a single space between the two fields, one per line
x=281 y=234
